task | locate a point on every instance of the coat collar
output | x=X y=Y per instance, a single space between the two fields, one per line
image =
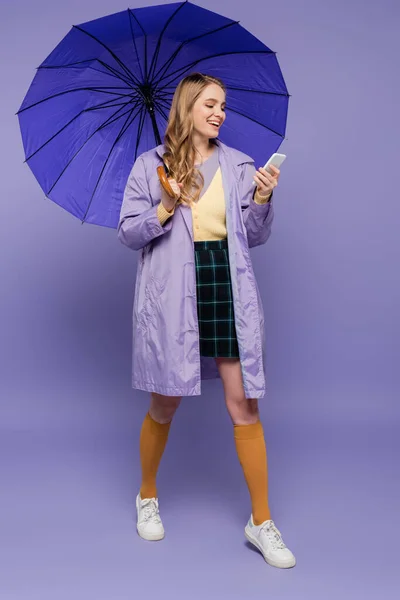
x=229 y=158
x=235 y=156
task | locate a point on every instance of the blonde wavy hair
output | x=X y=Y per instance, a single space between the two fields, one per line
x=180 y=152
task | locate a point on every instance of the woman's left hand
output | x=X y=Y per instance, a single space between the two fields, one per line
x=265 y=181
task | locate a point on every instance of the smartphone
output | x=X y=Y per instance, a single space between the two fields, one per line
x=276 y=160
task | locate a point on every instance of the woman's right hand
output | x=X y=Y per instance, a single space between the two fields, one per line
x=168 y=202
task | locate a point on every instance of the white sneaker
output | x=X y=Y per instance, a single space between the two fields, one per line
x=149 y=525
x=267 y=538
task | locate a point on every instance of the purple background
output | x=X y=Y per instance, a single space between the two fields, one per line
x=329 y=279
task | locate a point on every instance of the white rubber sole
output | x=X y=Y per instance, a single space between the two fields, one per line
x=270 y=561
x=150 y=537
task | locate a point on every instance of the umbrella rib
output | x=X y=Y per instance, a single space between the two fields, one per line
x=95 y=107
x=171 y=59
x=163 y=92
x=107 y=122
x=134 y=43
x=254 y=121
x=239 y=89
x=88 y=89
x=110 y=74
x=73 y=64
x=165 y=97
x=140 y=130
x=160 y=37
x=157 y=103
x=118 y=60
x=196 y=62
x=162 y=101
x=113 y=72
x=145 y=41
x=121 y=133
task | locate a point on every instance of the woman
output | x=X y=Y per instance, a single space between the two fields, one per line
x=197 y=311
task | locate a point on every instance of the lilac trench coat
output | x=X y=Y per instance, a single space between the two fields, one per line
x=166 y=357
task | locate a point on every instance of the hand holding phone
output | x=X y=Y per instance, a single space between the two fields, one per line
x=276 y=160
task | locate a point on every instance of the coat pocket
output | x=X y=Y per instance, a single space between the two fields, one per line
x=150 y=308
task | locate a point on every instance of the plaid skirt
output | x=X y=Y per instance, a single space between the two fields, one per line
x=214 y=300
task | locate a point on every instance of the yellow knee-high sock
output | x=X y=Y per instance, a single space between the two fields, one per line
x=153 y=438
x=251 y=449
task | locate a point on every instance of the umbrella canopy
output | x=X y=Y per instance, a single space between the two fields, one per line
x=103 y=95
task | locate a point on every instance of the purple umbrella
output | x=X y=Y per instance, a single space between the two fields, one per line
x=103 y=95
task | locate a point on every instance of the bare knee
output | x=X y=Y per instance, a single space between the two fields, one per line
x=242 y=410
x=163 y=408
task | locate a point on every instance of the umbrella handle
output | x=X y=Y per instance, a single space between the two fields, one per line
x=162 y=176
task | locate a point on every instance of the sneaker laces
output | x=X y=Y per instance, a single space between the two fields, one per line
x=150 y=510
x=274 y=535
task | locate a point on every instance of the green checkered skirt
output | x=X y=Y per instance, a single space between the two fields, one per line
x=214 y=300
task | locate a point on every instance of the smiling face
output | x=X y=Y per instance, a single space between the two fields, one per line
x=209 y=111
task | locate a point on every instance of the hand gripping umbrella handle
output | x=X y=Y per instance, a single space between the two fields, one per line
x=162 y=176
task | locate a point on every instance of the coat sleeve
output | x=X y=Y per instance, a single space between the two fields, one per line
x=257 y=217
x=139 y=221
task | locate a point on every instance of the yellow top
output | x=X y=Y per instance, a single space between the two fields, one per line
x=208 y=213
